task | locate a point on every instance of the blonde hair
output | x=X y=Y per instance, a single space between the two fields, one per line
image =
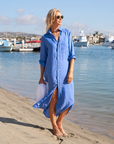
x=50 y=18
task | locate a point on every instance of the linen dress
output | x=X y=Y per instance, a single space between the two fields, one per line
x=55 y=56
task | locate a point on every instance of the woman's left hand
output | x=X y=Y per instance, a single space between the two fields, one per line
x=69 y=77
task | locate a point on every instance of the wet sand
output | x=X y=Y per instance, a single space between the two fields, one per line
x=21 y=124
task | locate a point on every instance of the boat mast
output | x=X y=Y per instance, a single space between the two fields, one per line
x=6 y=31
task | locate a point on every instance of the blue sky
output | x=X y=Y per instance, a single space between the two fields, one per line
x=29 y=15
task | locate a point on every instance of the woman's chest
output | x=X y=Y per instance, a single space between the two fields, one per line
x=56 y=35
x=51 y=42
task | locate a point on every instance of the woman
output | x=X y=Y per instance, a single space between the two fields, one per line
x=56 y=64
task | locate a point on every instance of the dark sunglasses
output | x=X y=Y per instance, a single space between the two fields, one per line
x=58 y=17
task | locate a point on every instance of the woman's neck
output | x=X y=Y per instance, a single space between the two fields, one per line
x=54 y=29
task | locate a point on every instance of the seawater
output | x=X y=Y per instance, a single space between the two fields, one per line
x=93 y=84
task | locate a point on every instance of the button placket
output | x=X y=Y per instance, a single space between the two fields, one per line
x=58 y=63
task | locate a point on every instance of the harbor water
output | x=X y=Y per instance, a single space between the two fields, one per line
x=93 y=84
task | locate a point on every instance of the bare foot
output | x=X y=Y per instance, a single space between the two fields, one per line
x=57 y=132
x=61 y=129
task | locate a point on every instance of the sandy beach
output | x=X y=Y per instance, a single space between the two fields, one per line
x=21 y=124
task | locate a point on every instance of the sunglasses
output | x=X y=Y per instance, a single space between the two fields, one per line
x=58 y=17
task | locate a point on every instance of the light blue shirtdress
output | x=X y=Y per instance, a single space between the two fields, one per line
x=55 y=56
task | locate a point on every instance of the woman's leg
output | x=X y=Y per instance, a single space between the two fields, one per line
x=59 y=121
x=52 y=113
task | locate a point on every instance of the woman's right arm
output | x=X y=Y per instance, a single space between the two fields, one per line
x=42 y=61
x=42 y=74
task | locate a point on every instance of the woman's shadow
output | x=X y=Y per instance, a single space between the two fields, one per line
x=13 y=121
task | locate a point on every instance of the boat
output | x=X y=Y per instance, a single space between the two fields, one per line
x=112 y=44
x=5 y=46
x=15 y=41
x=108 y=41
x=81 y=41
x=34 y=44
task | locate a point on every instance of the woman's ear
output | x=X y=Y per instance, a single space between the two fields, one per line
x=52 y=20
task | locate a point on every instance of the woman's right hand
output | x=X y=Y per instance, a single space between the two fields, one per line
x=42 y=81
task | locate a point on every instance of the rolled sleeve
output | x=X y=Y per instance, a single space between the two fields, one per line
x=71 y=48
x=43 y=53
x=42 y=63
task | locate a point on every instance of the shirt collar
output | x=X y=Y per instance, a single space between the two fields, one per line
x=49 y=31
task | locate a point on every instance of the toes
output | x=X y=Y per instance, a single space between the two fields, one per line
x=57 y=132
x=59 y=135
x=65 y=134
x=62 y=130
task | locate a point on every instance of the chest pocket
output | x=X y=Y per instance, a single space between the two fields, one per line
x=64 y=46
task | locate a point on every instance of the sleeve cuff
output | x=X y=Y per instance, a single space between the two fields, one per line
x=42 y=63
x=72 y=57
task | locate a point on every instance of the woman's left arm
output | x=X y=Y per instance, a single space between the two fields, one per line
x=71 y=58
x=70 y=73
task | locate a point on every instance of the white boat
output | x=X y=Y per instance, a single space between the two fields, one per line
x=5 y=46
x=108 y=41
x=81 y=41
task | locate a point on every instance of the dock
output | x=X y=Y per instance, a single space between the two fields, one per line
x=36 y=49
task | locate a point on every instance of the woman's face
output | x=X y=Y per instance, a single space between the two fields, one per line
x=58 y=19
